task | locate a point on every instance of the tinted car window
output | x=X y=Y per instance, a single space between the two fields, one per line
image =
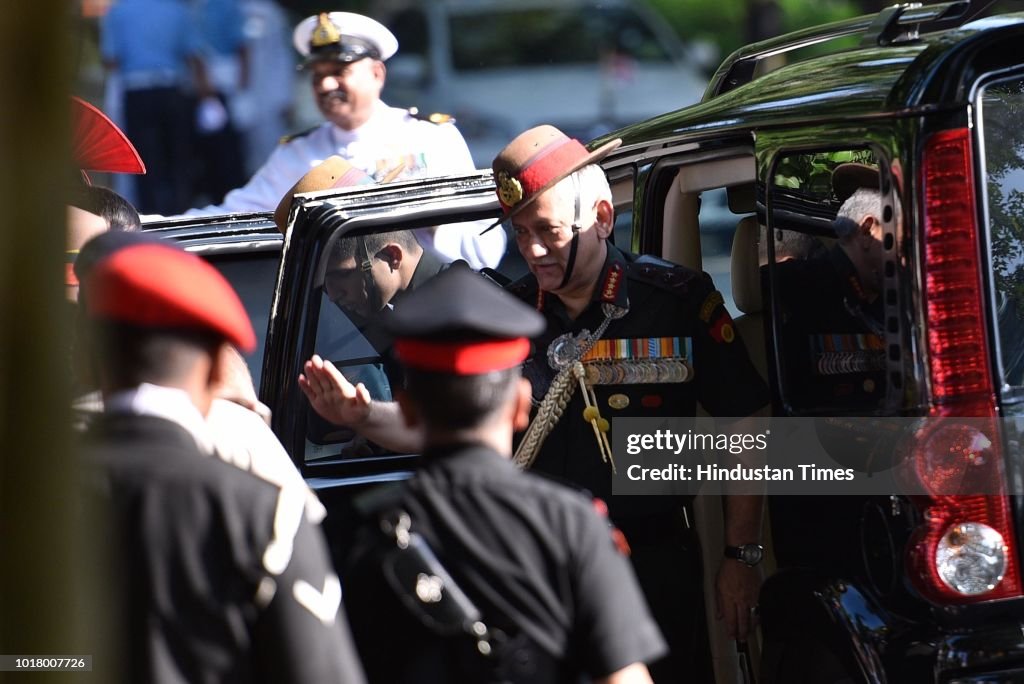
x=1002 y=105
x=352 y=306
x=826 y=263
x=253 y=276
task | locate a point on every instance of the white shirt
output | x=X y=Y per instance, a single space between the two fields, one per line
x=390 y=137
x=168 y=403
x=243 y=439
x=232 y=432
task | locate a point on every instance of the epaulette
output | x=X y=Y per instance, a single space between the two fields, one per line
x=295 y=136
x=434 y=118
x=664 y=274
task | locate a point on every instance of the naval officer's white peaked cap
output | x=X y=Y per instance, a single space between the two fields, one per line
x=343 y=36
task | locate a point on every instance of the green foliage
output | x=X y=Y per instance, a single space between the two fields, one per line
x=812 y=173
x=724 y=22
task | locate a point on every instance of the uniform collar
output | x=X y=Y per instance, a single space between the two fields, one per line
x=163 y=402
x=428 y=266
x=368 y=129
x=611 y=284
x=464 y=457
x=610 y=287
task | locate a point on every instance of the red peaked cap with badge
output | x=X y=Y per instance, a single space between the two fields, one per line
x=163 y=286
x=462 y=324
x=99 y=145
x=536 y=160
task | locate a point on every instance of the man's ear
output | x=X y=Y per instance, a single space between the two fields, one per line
x=379 y=71
x=870 y=230
x=605 y=218
x=410 y=414
x=521 y=416
x=391 y=254
x=220 y=369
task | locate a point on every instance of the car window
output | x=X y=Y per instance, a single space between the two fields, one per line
x=702 y=203
x=551 y=36
x=1001 y=108
x=364 y=279
x=253 y=275
x=717 y=226
x=824 y=256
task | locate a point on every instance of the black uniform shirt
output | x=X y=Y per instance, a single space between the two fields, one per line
x=429 y=265
x=833 y=356
x=203 y=595
x=665 y=301
x=533 y=556
x=831 y=333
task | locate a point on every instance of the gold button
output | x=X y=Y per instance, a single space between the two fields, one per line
x=618 y=401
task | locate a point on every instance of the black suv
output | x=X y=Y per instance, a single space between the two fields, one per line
x=927 y=104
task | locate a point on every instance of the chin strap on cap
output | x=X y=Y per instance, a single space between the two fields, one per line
x=576 y=228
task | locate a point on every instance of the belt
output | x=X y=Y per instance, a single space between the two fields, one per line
x=145 y=80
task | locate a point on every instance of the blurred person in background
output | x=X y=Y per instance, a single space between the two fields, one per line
x=264 y=110
x=218 y=160
x=154 y=46
x=345 y=55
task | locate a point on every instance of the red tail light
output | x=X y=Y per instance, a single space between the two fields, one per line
x=961 y=386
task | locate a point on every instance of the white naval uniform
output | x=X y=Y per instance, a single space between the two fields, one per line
x=390 y=137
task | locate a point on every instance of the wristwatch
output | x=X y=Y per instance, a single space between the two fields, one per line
x=748 y=554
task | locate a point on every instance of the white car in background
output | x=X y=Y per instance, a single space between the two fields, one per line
x=586 y=66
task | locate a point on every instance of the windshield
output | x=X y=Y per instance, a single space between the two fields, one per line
x=547 y=36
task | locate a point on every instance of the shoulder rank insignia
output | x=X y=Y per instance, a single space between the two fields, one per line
x=434 y=118
x=663 y=274
x=295 y=136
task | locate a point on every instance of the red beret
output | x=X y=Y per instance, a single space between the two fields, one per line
x=166 y=287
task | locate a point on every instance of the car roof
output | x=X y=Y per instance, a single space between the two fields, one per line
x=234 y=232
x=863 y=82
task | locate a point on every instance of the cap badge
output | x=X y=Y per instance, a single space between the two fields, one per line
x=325 y=33
x=510 y=190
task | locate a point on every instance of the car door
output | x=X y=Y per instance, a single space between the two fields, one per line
x=304 y=321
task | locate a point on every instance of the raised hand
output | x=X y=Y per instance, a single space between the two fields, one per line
x=332 y=395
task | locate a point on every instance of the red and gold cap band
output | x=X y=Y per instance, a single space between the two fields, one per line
x=549 y=162
x=462 y=358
